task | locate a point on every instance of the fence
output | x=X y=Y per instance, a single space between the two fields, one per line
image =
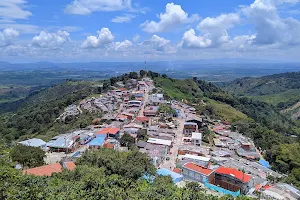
x=221 y=190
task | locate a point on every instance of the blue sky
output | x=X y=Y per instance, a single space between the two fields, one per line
x=136 y=30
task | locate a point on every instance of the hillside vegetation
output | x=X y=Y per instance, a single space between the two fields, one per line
x=36 y=114
x=188 y=90
x=266 y=85
x=279 y=90
x=179 y=89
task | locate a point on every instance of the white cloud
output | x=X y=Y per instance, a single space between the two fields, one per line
x=85 y=7
x=16 y=50
x=224 y=21
x=190 y=40
x=105 y=37
x=51 y=40
x=213 y=32
x=123 y=46
x=158 y=44
x=23 y=28
x=270 y=27
x=7 y=36
x=173 y=16
x=13 y=9
x=241 y=43
x=136 y=38
x=123 y=18
x=72 y=28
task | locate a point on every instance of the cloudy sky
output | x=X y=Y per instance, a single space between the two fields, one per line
x=137 y=30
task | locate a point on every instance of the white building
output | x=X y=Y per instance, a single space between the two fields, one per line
x=196 y=138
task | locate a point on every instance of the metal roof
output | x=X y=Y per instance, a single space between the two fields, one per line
x=159 y=141
x=62 y=141
x=165 y=172
x=34 y=142
x=194 y=157
x=98 y=141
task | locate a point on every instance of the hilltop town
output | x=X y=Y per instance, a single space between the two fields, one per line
x=181 y=143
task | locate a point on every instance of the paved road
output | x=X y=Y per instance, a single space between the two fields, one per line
x=171 y=164
x=141 y=112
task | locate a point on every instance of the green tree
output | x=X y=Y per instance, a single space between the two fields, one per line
x=28 y=156
x=142 y=135
x=133 y=75
x=127 y=140
x=164 y=76
x=143 y=73
x=167 y=110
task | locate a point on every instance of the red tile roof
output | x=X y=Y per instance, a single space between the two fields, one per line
x=70 y=165
x=45 y=170
x=109 y=130
x=267 y=187
x=197 y=168
x=235 y=173
x=177 y=170
x=142 y=119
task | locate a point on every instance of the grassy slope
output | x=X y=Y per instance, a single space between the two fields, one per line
x=226 y=112
x=179 y=89
x=188 y=90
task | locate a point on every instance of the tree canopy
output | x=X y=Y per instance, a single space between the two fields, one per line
x=28 y=156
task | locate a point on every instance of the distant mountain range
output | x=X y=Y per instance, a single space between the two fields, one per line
x=127 y=65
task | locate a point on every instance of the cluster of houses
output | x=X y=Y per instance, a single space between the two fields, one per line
x=234 y=141
x=228 y=165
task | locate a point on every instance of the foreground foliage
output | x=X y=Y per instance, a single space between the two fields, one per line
x=102 y=174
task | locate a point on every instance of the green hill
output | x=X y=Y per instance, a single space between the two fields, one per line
x=266 y=85
x=36 y=114
x=279 y=90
